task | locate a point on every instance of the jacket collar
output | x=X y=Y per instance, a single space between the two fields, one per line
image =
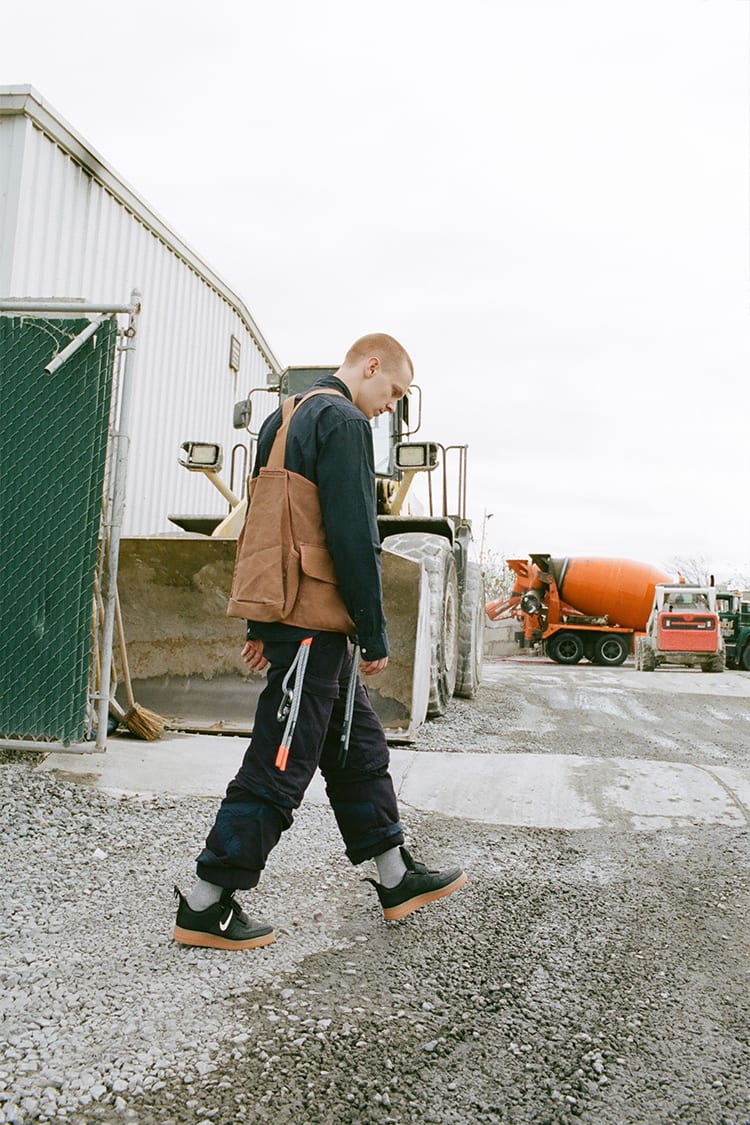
x=337 y=384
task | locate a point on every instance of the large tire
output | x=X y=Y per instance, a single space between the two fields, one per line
x=436 y=554
x=648 y=657
x=744 y=660
x=612 y=649
x=565 y=647
x=471 y=618
x=639 y=654
x=714 y=663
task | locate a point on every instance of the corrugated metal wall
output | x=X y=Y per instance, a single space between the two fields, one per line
x=74 y=238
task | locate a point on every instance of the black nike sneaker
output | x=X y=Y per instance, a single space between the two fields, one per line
x=221 y=926
x=418 y=887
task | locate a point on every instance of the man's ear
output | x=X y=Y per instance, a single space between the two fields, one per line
x=371 y=367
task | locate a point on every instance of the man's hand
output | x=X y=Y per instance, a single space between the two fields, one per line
x=253 y=656
x=372 y=667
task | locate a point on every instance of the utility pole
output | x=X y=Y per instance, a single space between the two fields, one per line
x=487 y=516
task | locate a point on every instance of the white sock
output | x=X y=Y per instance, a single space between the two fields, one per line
x=391 y=867
x=203 y=895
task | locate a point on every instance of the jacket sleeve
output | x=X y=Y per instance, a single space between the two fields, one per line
x=346 y=486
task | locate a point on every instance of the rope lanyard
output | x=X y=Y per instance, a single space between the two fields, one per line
x=351 y=690
x=291 y=699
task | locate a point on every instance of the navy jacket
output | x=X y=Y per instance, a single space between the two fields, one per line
x=330 y=443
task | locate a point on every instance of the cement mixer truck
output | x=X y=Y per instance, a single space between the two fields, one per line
x=580 y=607
x=184 y=651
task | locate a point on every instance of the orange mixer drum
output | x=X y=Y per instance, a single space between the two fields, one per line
x=620 y=589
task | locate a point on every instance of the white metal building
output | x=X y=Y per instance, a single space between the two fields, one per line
x=71 y=228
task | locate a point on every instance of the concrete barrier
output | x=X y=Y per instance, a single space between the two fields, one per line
x=499 y=638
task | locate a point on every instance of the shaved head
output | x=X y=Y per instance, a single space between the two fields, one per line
x=390 y=353
x=378 y=372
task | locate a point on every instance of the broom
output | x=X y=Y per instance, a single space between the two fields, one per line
x=139 y=720
x=116 y=712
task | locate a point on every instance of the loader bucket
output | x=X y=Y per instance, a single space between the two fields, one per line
x=184 y=652
x=401 y=693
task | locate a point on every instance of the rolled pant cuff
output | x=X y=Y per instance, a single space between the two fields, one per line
x=232 y=879
x=392 y=838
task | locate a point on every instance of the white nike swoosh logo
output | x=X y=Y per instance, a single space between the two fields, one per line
x=225 y=924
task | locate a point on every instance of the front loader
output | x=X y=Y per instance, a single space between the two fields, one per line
x=184 y=650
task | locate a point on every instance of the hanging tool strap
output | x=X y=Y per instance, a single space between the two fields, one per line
x=291 y=687
x=351 y=691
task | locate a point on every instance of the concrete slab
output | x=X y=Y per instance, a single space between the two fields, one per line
x=523 y=790
x=527 y=790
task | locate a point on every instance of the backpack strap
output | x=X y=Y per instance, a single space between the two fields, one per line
x=278 y=449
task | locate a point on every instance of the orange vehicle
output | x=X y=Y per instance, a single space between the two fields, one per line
x=580 y=607
x=683 y=628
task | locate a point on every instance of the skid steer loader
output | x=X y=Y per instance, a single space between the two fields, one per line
x=184 y=650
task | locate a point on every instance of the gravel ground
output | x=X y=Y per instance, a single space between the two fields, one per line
x=599 y=977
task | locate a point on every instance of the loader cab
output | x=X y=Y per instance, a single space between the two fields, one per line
x=683 y=598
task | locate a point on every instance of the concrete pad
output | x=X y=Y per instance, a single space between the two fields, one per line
x=652 y=794
x=574 y=792
x=198 y=765
x=188 y=765
x=522 y=790
x=527 y=790
x=737 y=785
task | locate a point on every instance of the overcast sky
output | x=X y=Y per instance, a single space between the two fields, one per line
x=546 y=202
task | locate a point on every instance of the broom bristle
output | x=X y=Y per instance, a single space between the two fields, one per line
x=143 y=723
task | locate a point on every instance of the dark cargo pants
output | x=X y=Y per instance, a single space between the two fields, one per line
x=260 y=800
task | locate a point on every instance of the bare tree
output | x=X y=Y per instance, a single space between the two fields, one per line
x=739 y=579
x=697 y=571
x=499 y=579
x=694 y=570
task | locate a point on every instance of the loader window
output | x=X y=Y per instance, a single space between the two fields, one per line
x=387 y=432
x=383 y=443
x=690 y=599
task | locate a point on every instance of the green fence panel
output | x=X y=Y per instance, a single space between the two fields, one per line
x=53 y=443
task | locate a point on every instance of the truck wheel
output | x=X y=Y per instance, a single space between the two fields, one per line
x=714 y=664
x=471 y=618
x=612 y=649
x=745 y=658
x=440 y=567
x=565 y=648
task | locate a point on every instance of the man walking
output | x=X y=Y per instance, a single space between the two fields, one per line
x=313 y=712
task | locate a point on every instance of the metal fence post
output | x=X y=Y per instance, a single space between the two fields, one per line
x=113 y=514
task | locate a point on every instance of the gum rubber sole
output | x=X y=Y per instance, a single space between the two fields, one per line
x=396 y=913
x=214 y=941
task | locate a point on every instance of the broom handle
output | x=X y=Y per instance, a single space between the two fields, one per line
x=123 y=651
x=99 y=612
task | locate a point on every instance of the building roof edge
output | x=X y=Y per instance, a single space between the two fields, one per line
x=27 y=101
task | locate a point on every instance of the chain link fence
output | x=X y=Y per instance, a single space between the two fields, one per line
x=58 y=403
